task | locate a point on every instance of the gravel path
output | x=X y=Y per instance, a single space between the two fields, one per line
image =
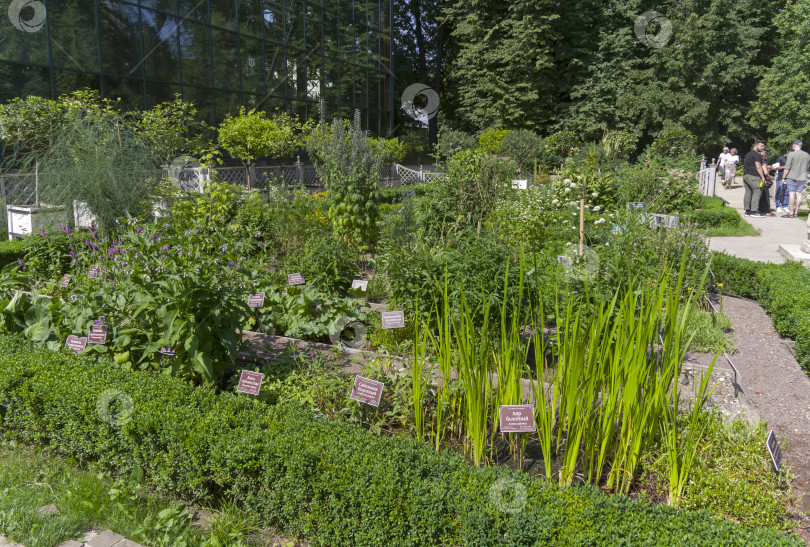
x=776 y=389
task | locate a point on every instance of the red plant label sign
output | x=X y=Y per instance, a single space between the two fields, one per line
x=256 y=300
x=98 y=335
x=250 y=382
x=295 y=279
x=65 y=280
x=517 y=418
x=775 y=451
x=361 y=284
x=367 y=391
x=393 y=319
x=167 y=350
x=94 y=272
x=76 y=343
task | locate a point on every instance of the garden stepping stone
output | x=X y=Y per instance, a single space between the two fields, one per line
x=6 y=543
x=109 y=538
x=48 y=511
x=70 y=543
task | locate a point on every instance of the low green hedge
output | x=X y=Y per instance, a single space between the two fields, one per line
x=783 y=290
x=714 y=217
x=330 y=481
x=737 y=275
x=711 y=202
x=10 y=251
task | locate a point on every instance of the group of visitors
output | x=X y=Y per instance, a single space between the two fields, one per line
x=791 y=171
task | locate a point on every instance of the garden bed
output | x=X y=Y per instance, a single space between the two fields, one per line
x=330 y=481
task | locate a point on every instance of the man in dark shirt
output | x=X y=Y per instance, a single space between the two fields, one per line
x=753 y=179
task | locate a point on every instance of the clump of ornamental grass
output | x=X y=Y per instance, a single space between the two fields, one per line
x=99 y=161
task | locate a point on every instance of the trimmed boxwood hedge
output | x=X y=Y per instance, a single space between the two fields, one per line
x=783 y=290
x=328 y=480
x=714 y=217
x=10 y=250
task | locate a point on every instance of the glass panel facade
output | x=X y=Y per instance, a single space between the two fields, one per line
x=220 y=54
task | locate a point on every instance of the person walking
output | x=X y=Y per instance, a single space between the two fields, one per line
x=782 y=195
x=721 y=163
x=753 y=178
x=796 y=177
x=730 y=168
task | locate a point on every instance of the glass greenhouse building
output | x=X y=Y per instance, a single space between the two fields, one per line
x=219 y=54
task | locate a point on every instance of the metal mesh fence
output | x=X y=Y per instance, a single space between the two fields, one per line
x=22 y=189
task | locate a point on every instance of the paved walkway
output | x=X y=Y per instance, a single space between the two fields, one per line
x=774 y=231
x=91 y=539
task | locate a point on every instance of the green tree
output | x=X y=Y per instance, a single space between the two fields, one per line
x=30 y=123
x=704 y=77
x=168 y=128
x=501 y=74
x=251 y=136
x=784 y=91
x=422 y=52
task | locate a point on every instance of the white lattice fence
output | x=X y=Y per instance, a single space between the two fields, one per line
x=707 y=178
x=19 y=189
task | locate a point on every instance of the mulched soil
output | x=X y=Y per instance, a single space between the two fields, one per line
x=775 y=390
x=768 y=385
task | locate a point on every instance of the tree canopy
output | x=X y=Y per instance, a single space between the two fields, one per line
x=719 y=69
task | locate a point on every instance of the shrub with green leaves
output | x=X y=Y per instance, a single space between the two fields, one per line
x=214 y=206
x=451 y=142
x=11 y=250
x=619 y=144
x=663 y=190
x=330 y=481
x=48 y=255
x=712 y=218
x=327 y=262
x=395 y=195
x=674 y=140
x=544 y=217
x=560 y=145
x=736 y=275
x=522 y=146
x=783 y=290
x=349 y=169
x=475 y=181
x=252 y=135
x=168 y=127
x=491 y=140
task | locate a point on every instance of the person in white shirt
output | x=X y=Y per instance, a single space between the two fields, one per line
x=730 y=168
x=721 y=162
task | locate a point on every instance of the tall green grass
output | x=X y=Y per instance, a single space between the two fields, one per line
x=610 y=396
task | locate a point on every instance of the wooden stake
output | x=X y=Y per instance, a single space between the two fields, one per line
x=581 y=227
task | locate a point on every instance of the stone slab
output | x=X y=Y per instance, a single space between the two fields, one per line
x=70 y=543
x=48 y=510
x=794 y=252
x=108 y=538
x=6 y=543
